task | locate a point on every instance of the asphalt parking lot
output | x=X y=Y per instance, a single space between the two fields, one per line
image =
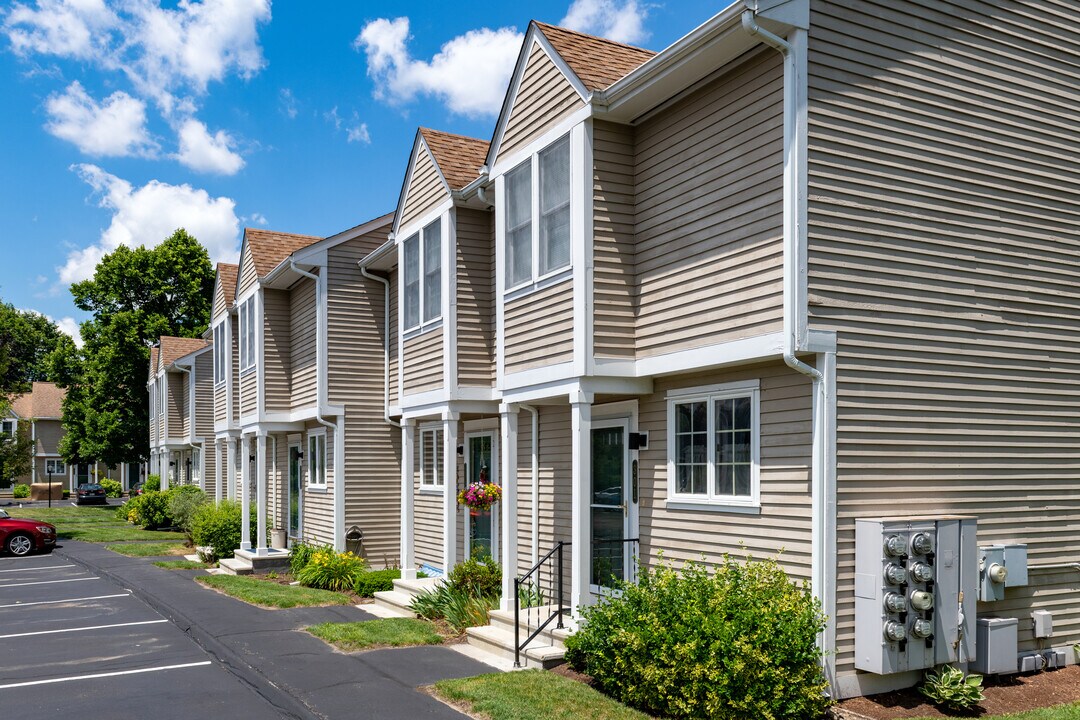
x=75 y=642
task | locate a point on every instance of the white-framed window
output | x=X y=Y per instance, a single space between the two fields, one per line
x=316 y=459
x=55 y=467
x=196 y=466
x=431 y=457
x=714 y=445
x=247 y=333
x=162 y=381
x=219 y=353
x=541 y=186
x=422 y=282
x=7 y=427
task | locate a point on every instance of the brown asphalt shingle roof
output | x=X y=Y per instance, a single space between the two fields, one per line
x=459 y=157
x=596 y=61
x=269 y=248
x=228 y=272
x=174 y=348
x=43 y=401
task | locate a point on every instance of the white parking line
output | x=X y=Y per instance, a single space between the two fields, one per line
x=48 y=582
x=71 y=600
x=81 y=629
x=102 y=675
x=31 y=569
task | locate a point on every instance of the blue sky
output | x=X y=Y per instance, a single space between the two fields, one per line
x=124 y=119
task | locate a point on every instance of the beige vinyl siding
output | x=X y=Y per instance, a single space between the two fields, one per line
x=302 y=346
x=613 y=240
x=204 y=395
x=221 y=398
x=356 y=339
x=47 y=435
x=276 y=350
x=475 y=293
x=176 y=403
x=544 y=96
x=392 y=334
x=423 y=362
x=318 y=505
x=943 y=235
x=234 y=365
x=427 y=514
x=248 y=389
x=539 y=328
x=248 y=277
x=709 y=192
x=220 y=304
x=555 y=466
x=426 y=188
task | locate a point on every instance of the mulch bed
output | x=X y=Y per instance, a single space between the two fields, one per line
x=1004 y=694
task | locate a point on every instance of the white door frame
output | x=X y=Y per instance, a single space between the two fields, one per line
x=495 y=528
x=630 y=515
x=299 y=491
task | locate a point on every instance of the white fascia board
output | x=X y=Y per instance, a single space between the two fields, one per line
x=426 y=219
x=439 y=410
x=538 y=376
x=423 y=399
x=556 y=131
x=383 y=257
x=477 y=393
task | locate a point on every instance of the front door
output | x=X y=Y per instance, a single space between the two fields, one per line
x=294 y=491
x=481 y=526
x=612 y=513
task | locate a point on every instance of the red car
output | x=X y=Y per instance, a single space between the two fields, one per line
x=19 y=536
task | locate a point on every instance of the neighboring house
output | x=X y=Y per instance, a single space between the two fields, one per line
x=40 y=411
x=224 y=334
x=300 y=390
x=181 y=413
x=780 y=276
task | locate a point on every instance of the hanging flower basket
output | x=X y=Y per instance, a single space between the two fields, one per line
x=480 y=496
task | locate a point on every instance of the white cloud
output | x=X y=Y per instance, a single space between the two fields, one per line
x=114 y=128
x=78 y=29
x=259 y=219
x=150 y=214
x=287 y=103
x=68 y=326
x=469 y=73
x=619 y=21
x=359 y=133
x=203 y=152
x=331 y=116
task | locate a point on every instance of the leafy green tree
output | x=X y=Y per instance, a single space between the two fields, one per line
x=16 y=453
x=136 y=296
x=27 y=341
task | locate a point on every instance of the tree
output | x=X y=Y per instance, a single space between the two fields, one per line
x=16 y=453
x=136 y=296
x=27 y=340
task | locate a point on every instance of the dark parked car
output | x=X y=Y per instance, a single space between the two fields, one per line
x=136 y=489
x=19 y=536
x=89 y=493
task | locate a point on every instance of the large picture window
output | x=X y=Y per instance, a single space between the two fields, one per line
x=247 y=333
x=536 y=249
x=422 y=283
x=316 y=459
x=431 y=457
x=714 y=445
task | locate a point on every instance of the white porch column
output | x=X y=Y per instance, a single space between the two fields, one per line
x=260 y=484
x=408 y=450
x=581 y=474
x=450 y=508
x=508 y=446
x=230 y=468
x=245 y=494
x=218 y=449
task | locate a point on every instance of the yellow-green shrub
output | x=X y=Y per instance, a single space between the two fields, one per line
x=329 y=570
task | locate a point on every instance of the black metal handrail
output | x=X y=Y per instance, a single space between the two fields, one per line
x=560 y=609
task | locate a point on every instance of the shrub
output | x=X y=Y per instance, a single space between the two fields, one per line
x=329 y=570
x=739 y=643
x=370 y=582
x=153 y=482
x=300 y=555
x=947 y=687
x=479 y=578
x=149 y=510
x=113 y=488
x=184 y=501
x=21 y=491
x=458 y=606
x=218 y=526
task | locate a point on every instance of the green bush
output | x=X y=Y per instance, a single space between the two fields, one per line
x=21 y=491
x=372 y=581
x=218 y=526
x=738 y=644
x=460 y=607
x=329 y=570
x=300 y=555
x=481 y=579
x=153 y=482
x=149 y=510
x=949 y=688
x=113 y=488
x=184 y=501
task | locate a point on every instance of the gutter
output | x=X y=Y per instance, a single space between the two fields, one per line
x=386 y=349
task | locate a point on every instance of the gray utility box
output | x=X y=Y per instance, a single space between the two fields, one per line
x=996 y=640
x=916 y=582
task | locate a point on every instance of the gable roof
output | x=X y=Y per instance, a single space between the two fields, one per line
x=227 y=274
x=44 y=400
x=459 y=157
x=174 y=348
x=268 y=248
x=598 y=62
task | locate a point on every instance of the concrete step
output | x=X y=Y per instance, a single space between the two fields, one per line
x=504 y=620
x=395 y=600
x=417 y=585
x=235 y=566
x=270 y=560
x=500 y=642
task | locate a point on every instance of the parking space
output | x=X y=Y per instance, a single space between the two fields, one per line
x=67 y=634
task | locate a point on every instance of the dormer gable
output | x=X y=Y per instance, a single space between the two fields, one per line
x=424 y=188
x=263 y=250
x=224 y=289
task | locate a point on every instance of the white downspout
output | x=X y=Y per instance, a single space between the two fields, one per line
x=386 y=354
x=535 y=481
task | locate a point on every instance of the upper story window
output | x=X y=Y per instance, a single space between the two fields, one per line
x=219 y=353
x=247 y=333
x=7 y=428
x=423 y=275
x=714 y=454
x=540 y=185
x=161 y=382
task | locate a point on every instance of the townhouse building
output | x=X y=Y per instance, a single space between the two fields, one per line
x=40 y=411
x=181 y=413
x=812 y=264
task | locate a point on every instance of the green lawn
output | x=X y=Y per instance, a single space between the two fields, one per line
x=1061 y=712
x=533 y=694
x=269 y=594
x=148 y=549
x=92 y=523
x=181 y=564
x=386 y=632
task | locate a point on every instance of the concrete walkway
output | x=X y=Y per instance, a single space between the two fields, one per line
x=299 y=674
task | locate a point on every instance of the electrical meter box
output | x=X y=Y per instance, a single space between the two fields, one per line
x=916 y=582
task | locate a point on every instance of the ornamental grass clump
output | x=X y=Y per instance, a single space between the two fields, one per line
x=738 y=643
x=329 y=570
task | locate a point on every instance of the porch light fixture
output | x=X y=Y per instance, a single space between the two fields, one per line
x=460 y=449
x=638 y=441
x=172 y=463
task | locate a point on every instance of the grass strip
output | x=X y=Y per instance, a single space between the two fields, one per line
x=81 y=514
x=108 y=532
x=269 y=594
x=530 y=694
x=148 y=549
x=385 y=632
x=1060 y=712
x=181 y=564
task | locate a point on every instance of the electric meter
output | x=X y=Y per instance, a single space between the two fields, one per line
x=895 y=546
x=894 y=574
x=894 y=631
x=921 y=600
x=997 y=573
x=922 y=628
x=922 y=544
x=922 y=573
x=895 y=603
